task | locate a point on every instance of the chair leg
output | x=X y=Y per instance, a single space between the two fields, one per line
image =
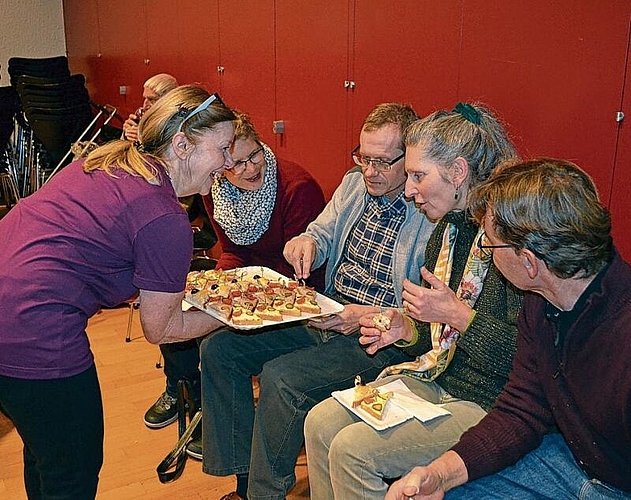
x=9 y=189
x=132 y=307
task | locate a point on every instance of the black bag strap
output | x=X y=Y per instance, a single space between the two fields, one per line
x=185 y=407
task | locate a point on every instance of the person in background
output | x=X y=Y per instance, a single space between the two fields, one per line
x=371 y=238
x=103 y=230
x=181 y=359
x=560 y=428
x=152 y=90
x=448 y=153
x=257 y=206
x=204 y=237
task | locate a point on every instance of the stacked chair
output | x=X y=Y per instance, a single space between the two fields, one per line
x=56 y=112
x=9 y=106
x=48 y=67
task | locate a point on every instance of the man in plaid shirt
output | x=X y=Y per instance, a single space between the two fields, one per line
x=370 y=239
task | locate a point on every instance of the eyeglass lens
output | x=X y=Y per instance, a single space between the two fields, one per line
x=254 y=158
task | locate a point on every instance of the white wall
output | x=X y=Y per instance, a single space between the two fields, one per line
x=30 y=28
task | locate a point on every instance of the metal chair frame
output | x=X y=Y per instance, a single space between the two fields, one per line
x=133 y=307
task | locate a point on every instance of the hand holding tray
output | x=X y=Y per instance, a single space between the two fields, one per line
x=327 y=306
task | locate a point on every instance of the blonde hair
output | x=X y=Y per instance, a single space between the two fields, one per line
x=243 y=127
x=156 y=129
x=161 y=83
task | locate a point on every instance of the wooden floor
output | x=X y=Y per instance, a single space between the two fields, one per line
x=130 y=383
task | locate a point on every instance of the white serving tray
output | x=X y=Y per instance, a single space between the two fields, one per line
x=327 y=305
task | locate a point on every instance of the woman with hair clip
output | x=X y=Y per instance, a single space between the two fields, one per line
x=103 y=230
x=181 y=359
x=460 y=323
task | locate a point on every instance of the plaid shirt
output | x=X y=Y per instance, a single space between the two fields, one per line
x=365 y=273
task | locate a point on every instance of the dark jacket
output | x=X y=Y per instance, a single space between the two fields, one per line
x=582 y=386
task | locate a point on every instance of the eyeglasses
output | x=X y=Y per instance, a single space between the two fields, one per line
x=485 y=247
x=200 y=108
x=255 y=158
x=376 y=163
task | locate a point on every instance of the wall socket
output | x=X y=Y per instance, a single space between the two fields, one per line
x=122 y=90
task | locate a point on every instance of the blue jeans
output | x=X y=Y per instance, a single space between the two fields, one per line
x=550 y=471
x=296 y=371
x=60 y=422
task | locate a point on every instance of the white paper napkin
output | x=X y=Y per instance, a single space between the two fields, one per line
x=403 y=406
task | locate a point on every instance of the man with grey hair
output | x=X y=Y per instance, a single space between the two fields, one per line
x=561 y=427
x=152 y=90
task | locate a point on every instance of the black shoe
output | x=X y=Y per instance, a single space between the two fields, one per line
x=194 y=449
x=162 y=413
x=232 y=496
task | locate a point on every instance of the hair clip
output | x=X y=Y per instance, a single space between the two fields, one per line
x=202 y=107
x=468 y=112
x=139 y=147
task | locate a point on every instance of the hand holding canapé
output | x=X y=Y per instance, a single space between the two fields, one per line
x=375 y=337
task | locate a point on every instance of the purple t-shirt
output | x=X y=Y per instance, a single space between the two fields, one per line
x=81 y=242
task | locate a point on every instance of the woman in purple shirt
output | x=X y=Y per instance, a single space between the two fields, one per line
x=100 y=232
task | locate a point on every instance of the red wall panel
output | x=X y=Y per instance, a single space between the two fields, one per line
x=183 y=40
x=405 y=51
x=247 y=56
x=620 y=204
x=311 y=66
x=82 y=42
x=555 y=77
x=122 y=39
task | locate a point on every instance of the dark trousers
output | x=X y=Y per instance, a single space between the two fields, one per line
x=61 y=425
x=181 y=361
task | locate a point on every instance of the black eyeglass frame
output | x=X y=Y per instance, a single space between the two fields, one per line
x=242 y=164
x=356 y=156
x=488 y=249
